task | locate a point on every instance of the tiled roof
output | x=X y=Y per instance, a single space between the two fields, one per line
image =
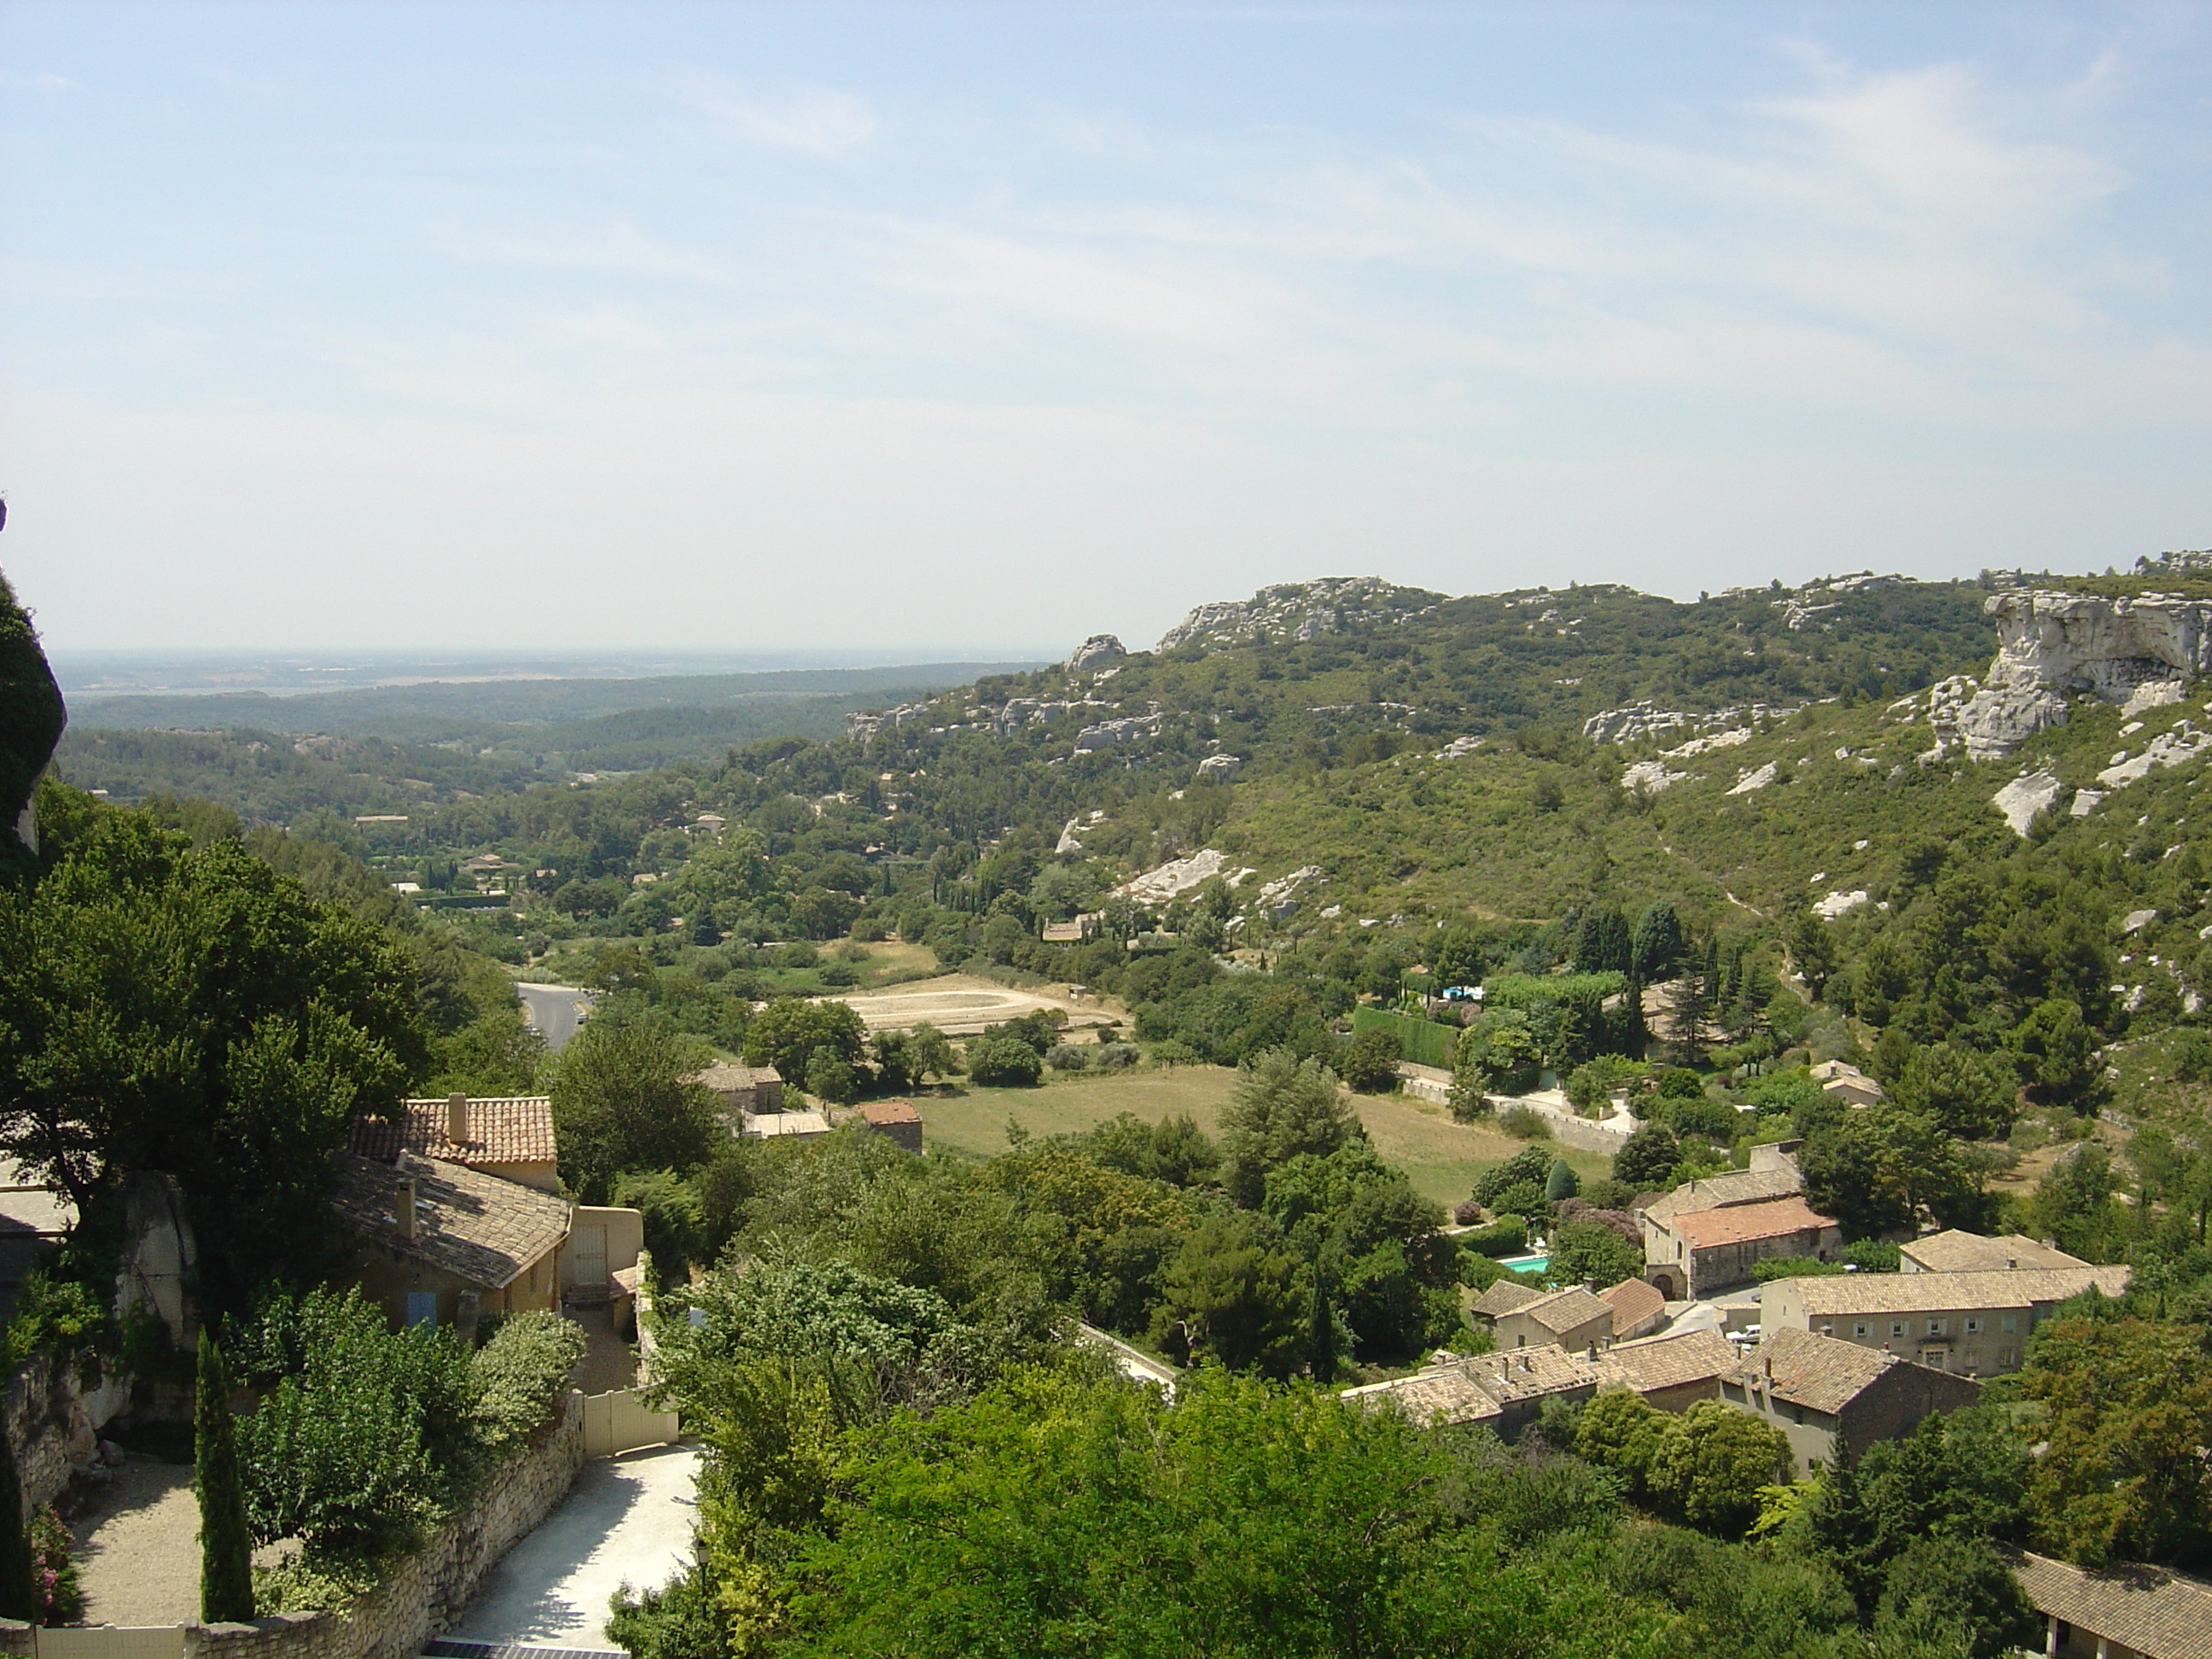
x=1530 y=1373
x=1446 y=1393
x=1835 y=1294
x=1633 y=1302
x=1824 y=1372
x=1740 y=1223
x=772 y=1125
x=1503 y=1297
x=2159 y=1614
x=1653 y=1362
x=884 y=1113
x=476 y=1226
x=1736 y=1187
x=502 y=1129
x=1956 y=1252
x=1567 y=1309
x=735 y=1077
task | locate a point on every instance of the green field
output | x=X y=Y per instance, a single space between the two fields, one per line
x=1439 y=1156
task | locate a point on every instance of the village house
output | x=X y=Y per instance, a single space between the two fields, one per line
x=1833 y=1399
x=1673 y=1373
x=1506 y=1390
x=2125 y=1613
x=785 y=1125
x=1847 y=1084
x=1572 y=1319
x=1956 y=1252
x=510 y=1136
x=745 y=1090
x=1638 y=1308
x=1975 y=1323
x=443 y=1244
x=897 y=1121
x=1693 y=1253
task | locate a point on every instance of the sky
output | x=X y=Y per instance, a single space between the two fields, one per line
x=949 y=330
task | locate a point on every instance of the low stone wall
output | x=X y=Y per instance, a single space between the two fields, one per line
x=1584 y=1134
x=427 y=1590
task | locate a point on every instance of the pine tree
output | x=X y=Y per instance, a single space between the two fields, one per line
x=226 y=1543
x=19 y=1594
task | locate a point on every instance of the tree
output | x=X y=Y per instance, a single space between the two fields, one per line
x=1560 y=1181
x=789 y=1031
x=1004 y=1062
x=1230 y=1294
x=1966 y=1093
x=2057 y=1054
x=2074 y=1203
x=226 y=1537
x=2127 y=1411
x=830 y=1077
x=1460 y=959
x=620 y=1102
x=1960 y=1584
x=1647 y=1158
x=1590 y=1251
x=1657 y=943
x=1852 y=1172
x=1711 y=1463
x=1281 y=1106
x=1368 y=1062
x=1812 y=949
x=1622 y=1431
x=19 y=1593
x=1601 y=941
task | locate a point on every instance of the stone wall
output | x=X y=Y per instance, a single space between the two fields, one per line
x=53 y=1421
x=427 y=1590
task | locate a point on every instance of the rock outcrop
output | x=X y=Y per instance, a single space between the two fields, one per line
x=1095 y=652
x=1297 y=611
x=2026 y=798
x=2053 y=644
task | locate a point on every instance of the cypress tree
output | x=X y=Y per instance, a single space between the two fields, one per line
x=19 y=1593
x=226 y=1543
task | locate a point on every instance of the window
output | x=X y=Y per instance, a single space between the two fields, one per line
x=1935 y=1326
x=2011 y=1324
x=1897 y=1328
x=1974 y=1326
x=1863 y=1328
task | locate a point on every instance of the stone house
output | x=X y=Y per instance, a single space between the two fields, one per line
x=1847 y=1084
x=1637 y=1309
x=1693 y=1252
x=1666 y=1266
x=2126 y=1613
x=1673 y=1373
x=1504 y=1391
x=785 y=1125
x=1956 y=1252
x=897 y=1120
x=1833 y=1399
x=442 y=1243
x=746 y=1091
x=510 y=1136
x=1572 y=1319
x=1974 y=1323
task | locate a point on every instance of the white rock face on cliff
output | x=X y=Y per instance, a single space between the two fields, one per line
x=1297 y=611
x=1093 y=653
x=2050 y=644
x=2026 y=798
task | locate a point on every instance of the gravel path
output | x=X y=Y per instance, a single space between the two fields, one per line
x=138 y=1549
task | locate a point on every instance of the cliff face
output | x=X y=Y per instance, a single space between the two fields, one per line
x=2051 y=644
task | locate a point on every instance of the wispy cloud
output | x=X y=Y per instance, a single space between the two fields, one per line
x=814 y=120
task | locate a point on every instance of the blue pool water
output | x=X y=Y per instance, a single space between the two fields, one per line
x=1526 y=1264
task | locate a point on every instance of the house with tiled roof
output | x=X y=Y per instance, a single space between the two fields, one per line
x=1958 y=1252
x=2123 y=1613
x=1674 y=1372
x=1571 y=1318
x=510 y=1136
x=1976 y=1323
x=745 y=1090
x=1505 y=1390
x=1693 y=1253
x=897 y=1121
x=1846 y=1083
x=1833 y=1399
x=441 y=1242
x=1503 y=1298
x=1637 y=1309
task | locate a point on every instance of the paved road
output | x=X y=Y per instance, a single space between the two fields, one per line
x=626 y=1521
x=554 y=1010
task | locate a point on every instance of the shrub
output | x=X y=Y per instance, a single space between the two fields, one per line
x=1522 y=1197
x=1529 y=1167
x=1873 y=1256
x=1113 y=1056
x=675 y=1217
x=521 y=1373
x=1560 y=1182
x=1069 y=1057
x=53 y=1575
x=1524 y=1123
x=1680 y=1083
x=1507 y=1236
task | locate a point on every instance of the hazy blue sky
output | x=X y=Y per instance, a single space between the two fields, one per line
x=953 y=328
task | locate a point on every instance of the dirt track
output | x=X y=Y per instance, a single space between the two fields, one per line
x=961 y=1005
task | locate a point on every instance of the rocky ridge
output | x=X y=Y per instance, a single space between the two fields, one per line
x=1297 y=611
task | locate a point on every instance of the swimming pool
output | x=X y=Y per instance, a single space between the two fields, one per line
x=1532 y=1265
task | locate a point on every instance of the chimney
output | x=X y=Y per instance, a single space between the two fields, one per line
x=457 y=1119
x=405 y=1204
x=1766 y=1369
x=2011 y=1261
x=1590 y=1285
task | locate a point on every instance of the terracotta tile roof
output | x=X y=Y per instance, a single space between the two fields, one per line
x=502 y=1129
x=1736 y=1187
x=735 y=1077
x=1956 y=1252
x=2159 y=1614
x=477 y=1227
x=1653 y=1362
x=1633 y=1302
x=1740 y=1223
x=1834 y=1295
x=884 y=1112
x=1824 y=1372
x=1504 y=1298
x=1567 y=1309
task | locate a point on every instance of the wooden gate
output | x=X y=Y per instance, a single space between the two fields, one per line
x=621 y=1422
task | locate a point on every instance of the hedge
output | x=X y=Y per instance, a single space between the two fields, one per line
x=1421 y=1040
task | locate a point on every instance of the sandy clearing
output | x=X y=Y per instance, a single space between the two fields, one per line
x=961 y=1005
